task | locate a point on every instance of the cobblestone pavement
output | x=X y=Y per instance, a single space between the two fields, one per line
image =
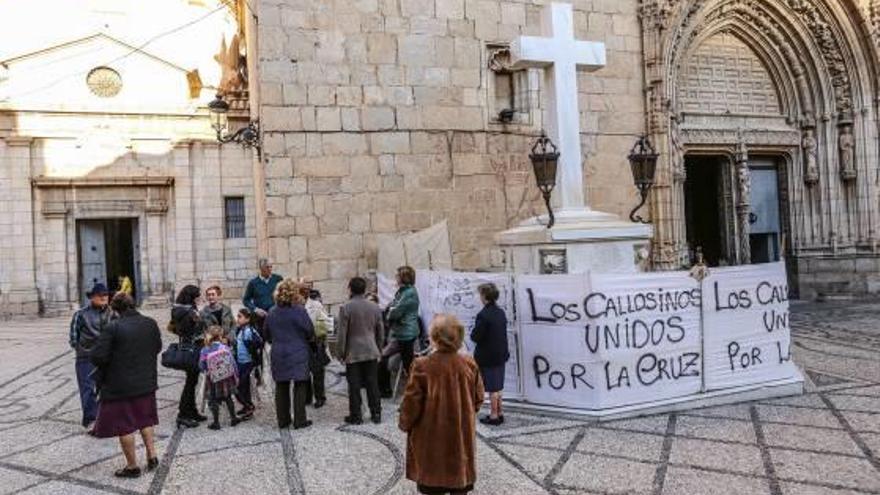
x=826 y=441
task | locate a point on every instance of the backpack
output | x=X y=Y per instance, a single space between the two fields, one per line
x=254 y=344
x=221 y=365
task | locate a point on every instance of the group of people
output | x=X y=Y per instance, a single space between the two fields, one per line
x=117 y=350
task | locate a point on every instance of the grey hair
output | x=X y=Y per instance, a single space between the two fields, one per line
x=264 y=262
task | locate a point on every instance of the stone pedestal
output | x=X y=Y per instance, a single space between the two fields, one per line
x=582 y=240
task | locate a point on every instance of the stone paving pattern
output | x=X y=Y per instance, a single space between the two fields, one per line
x=824 y=442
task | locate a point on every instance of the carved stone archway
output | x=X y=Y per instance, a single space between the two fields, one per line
x=817 y=57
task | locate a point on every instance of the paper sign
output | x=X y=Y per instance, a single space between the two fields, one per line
x=594 y=342
x=746 y=326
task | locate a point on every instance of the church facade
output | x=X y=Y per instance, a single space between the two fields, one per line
x=384 y=117
x=109 y=167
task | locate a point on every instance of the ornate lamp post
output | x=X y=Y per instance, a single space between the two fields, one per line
x=248 y=136
x=545 y=157
x=643 y=162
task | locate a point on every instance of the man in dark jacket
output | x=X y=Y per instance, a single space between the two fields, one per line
x=85 y=328
x=358 y=345
x=258 y=295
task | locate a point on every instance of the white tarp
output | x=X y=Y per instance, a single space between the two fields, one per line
x=447 y=292
x=600 y=341
x=427 y=249
x=746 y=326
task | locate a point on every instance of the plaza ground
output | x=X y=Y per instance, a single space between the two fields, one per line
x=824 y=442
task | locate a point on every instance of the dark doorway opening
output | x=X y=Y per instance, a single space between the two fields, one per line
x=703 y=199
x=108 y=254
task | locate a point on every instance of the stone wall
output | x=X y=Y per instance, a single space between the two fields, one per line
x=377 y=121
x=176 y=198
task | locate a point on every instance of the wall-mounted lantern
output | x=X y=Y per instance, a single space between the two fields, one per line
x=545 y=157
x=248 y=136
x=643 y=162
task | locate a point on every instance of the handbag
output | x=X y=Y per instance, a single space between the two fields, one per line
x=182 y=357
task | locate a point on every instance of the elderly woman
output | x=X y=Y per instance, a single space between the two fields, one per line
x=189 y=328
x=438 y=413
x=403 y=322
x=491 y=353
x=289 y=329
x=125 y=355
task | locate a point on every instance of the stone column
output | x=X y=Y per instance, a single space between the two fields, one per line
x=743 y=203
x=18 y=287
x=183 y=248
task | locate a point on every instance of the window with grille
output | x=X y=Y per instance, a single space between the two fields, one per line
x=234 y=210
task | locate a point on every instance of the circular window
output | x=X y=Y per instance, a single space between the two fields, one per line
x=104 y=82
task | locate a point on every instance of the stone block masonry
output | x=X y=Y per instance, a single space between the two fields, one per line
x=377 y=119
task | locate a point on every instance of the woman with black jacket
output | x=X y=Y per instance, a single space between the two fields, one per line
x=125 y=356
x=491 y=352
x=190 y=329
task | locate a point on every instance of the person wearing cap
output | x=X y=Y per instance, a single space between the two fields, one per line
x=85 y=328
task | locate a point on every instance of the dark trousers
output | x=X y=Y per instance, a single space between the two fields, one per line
x=363 y=375
x=407 y=353
x=88 y=397
x=214 y=405
x=243 y=394
x=282 y=403
x=316 y=388
x=187 y=408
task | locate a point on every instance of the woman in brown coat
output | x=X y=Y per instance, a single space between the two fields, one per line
x=438 y=413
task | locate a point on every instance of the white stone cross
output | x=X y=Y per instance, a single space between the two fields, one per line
x=561 y=55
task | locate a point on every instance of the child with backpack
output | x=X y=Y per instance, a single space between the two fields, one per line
x=247 y=349
x=218 y=363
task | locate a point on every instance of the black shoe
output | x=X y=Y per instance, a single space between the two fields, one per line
x=304 y=424
x=235 y=421
x=200 y=418
x=376 y=418
x=282 y=426
x=354 y=420
x=187 y=423
x=214 y=426
x=134 y=472
x=488 y=420
x=152 y=464
x=319 y=403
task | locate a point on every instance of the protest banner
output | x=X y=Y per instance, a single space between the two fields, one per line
x=746 y=326
x=601 y=341
x=456 y=293
x=595 y=342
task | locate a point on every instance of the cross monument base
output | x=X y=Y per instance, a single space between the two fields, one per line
x=581 y=240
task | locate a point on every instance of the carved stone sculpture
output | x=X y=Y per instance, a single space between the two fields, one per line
x=847 y=144
x=811 y=169
x=233 y=67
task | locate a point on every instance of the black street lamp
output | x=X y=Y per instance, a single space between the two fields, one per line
x=545 y=157
x=248 y=136
x=643 y=162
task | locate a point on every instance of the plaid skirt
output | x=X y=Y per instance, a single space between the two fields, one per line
x=117 y=418
x=222 y=389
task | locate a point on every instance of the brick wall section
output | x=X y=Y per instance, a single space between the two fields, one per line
x=376 y=120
